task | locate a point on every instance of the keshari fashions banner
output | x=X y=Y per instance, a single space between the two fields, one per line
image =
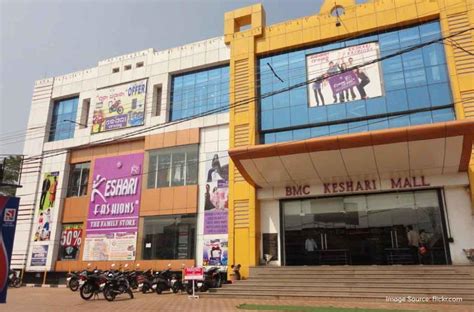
x=215 y=252
x=112 y=221
x=216 y=196
x=39 y=255
x=46 y=207
x=335 y=84
x=71 y=238
x=119 y=107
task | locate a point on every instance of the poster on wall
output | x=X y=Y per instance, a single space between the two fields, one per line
x=216 y=195
x=215 y=252
x=112 y=221
x=119 y=107
x=46 y=207
x=109 y=247
x=39 y=255
x=70 y=243
x=335 y=83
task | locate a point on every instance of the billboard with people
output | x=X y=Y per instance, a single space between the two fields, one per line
x=119 y=107
x=338 y=76
x=42 y=230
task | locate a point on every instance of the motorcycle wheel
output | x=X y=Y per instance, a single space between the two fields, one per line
x=219 y=283
x=130 y=293
x=120 y=110
x=176 y=287
x=204 y=288
x=144 y=289
x=189 y=290
x=86 y=291
x=158 y=290
x=17 y=283
x=109 y=293
x=74 y=284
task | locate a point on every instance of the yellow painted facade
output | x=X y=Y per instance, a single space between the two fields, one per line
x=258 y=39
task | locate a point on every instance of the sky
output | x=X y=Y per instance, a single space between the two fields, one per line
x=42 y=39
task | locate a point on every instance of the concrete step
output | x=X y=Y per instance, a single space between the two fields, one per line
x=331 y=295
x=364 y=277
x=377 y=290
x=253 y=285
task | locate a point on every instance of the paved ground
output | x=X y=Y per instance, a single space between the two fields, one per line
x=62 y=299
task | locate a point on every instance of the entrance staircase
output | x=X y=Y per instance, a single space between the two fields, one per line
x=353 y=282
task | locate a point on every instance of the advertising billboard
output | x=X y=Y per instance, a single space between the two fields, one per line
x=215 y=252
x=119 y=107
x=8 y=219
x=336 y=82
x=70 y=243
x=216 y=196
x=114 y=206
x=42 y=230
x=39 y=255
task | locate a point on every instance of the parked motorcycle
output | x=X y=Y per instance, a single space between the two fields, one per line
x=145 y=281
x=116 y=284
x=212 y=279
x=92 y=284
x=167 y=280
x=13 y=279
x=72 y=279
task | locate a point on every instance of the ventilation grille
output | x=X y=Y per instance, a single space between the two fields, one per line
x=464 y=62
x=237 y=176
x=241 y=86
x=241 y=213
x=467 y=98
x=241 y=135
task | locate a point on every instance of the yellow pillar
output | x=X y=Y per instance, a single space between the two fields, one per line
x=244 y=221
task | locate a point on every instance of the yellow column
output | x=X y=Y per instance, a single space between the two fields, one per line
x=244 y=221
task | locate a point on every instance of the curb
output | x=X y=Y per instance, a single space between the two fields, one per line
x=45 y=285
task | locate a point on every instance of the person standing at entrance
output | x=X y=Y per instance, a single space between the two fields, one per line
x=310 y=247
x=413 y=243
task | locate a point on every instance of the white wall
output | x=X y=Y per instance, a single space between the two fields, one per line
x=270 y=223
x=461 y=222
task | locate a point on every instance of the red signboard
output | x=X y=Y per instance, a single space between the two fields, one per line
x=194 y=274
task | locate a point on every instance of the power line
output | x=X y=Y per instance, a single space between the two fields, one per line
x=244 y=102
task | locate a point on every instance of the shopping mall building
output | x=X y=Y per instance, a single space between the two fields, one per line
x=325 y=140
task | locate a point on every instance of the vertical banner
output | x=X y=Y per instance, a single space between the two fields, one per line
x=42 y=229
x=215 y=252
x=8 y=217
x=119 y=107
x=216 y=196
x=71 y=238
x=39 y=255
x=336 y=82
x=112 y=223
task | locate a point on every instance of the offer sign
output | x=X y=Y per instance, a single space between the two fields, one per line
x=194 y=274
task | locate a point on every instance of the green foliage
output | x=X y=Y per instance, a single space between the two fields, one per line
x=11 y=174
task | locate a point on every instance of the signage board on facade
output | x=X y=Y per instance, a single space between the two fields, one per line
x=357 y=186
x=119 y=107
x=216 y=196
x=39 y=255
x=70 y=243
x=335 y=83
x=215 y=252
x=8 y=219
x=112 y=221
x=44 y=214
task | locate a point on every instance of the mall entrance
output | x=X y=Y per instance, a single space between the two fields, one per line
x=364 y=229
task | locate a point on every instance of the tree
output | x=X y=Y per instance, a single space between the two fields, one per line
x=10 y=175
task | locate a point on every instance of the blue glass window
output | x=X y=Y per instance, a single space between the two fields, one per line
x=63 y=118
x=200 y=92
x=411 y=81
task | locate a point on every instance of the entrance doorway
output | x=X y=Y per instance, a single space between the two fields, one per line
x=365 y=230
